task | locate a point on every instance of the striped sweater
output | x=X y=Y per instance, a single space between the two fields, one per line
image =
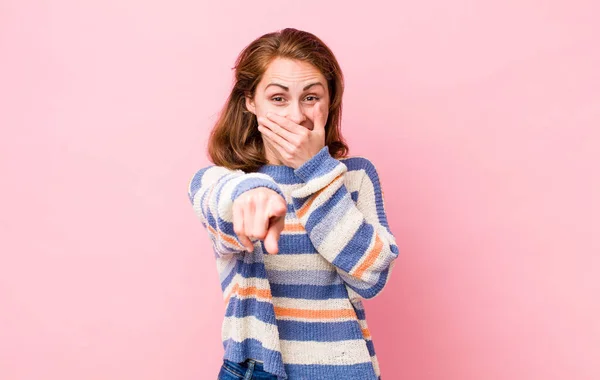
x=300 y=311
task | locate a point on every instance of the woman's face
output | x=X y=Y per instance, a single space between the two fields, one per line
x=290 y=88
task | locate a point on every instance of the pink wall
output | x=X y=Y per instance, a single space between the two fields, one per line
x=483 y=120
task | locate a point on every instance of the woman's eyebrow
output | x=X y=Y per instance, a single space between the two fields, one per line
x=287 y=88
x=313 y=84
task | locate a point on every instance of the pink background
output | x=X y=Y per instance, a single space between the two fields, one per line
x=483 y=119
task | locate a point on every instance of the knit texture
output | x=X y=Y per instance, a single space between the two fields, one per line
x=300 y=311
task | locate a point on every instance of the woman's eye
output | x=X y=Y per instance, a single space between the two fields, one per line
x=281 y=99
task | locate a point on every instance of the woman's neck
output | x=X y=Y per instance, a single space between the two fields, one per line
x=271 y=158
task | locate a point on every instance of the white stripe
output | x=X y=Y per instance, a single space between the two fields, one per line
x=300 y=303
x=328 y=353
x=225 y=264
x=335 y=214
x=352 y=179
x=248 y=327
x=318 y=183
x=301 y=261
x=376 y=365
x=341 y=233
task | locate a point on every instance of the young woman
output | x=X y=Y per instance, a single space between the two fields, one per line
x=298 y=227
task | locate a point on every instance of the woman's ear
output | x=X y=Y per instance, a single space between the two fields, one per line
x=250 y=103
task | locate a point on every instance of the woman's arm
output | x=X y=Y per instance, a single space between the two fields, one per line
x=212 y=191
x=353 y=236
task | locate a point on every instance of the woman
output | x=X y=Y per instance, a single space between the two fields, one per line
x=298 y=227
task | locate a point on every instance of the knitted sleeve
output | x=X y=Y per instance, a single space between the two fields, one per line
x=353 y=236
x=212 y=191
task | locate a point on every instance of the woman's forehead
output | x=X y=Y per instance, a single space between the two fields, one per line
x=291 y=72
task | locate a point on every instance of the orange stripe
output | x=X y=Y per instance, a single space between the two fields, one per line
x=225 y=237
x=220 y=235
x=314 y=314
x=372 y=256
x=249 y=291
x=304 y=209
x=366 y=333
x=293 y=227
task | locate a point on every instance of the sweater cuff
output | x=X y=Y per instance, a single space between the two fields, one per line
x=253 y=181
x=320 y=164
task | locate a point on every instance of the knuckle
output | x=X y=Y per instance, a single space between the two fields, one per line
x=260 y=196
x=238 y=229
x=248 y=203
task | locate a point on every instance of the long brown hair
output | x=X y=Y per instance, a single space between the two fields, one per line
x=235 y=141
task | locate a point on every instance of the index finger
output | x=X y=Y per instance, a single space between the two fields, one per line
x=283 y=122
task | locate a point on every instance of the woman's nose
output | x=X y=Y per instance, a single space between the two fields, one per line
x=296 y=115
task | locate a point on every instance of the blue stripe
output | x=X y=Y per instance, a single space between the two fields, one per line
x=252 y=183
x=383 y=276
x=319 y=165
x=319 y=213
x=196 y=182
x=356 y=248
x=290 y=244
x=304 y=276
x=252 y=348
x=318 y=331
x=373 y=290
x=360 y=313
x=247 y=270
x=281 y=174
x=355 y=163
x=290 y=277
x=227 y=280
x=202 y=198
x=214 y=220
x=373 y=176
x=226 y=269
x=297 y=203
x=247 y=307
x=208 y=214
x=363 y=371
x=370 y=347
x=310 y=292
